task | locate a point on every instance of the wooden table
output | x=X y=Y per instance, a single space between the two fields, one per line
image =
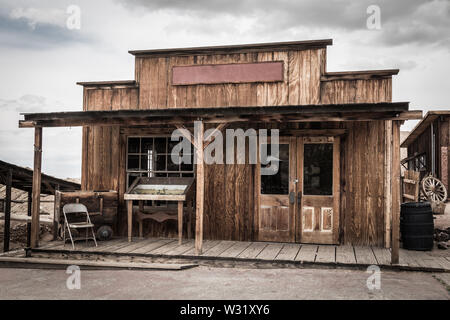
x=132 y=194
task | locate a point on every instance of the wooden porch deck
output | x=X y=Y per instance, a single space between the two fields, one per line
x=275 y=254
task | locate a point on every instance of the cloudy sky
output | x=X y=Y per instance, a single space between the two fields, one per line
x=41 y=58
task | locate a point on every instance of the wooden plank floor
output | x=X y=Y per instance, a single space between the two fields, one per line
x=260 y=251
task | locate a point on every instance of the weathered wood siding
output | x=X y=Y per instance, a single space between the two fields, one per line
x=229 y=189
x=356 y=91
x=301 y=85
x=362 y=187
x=422 y=144
x=100 y=147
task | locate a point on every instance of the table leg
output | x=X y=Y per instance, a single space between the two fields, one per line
x=141 y=210
x=130 y=218
x=180 y=222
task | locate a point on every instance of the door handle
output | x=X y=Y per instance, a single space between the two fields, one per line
x=292 y=197
x=299 y=198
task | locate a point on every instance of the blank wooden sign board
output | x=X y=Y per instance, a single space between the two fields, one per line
x=228 y=73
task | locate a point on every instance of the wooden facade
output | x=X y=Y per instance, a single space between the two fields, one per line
x=362 y=133
x=428 y=146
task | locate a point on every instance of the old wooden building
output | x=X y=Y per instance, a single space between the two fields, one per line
x=338 y=179
x=428 y=146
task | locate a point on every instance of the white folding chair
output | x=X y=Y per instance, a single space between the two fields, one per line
x=74 y=218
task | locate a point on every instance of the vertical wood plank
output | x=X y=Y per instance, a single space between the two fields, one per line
x=29 y=200
x=395 y=211
x=387 y=184
x=130 y=218
x=180 y=222
x=36 y=202
x=200 y=188
x=294 y=78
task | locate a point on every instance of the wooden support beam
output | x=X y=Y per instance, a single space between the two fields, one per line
x=56 y=213
x=6 y=234
x=186 y=133
x=180 y=222
x=29 y=222
x=36 y=193
x=210 y=138
x=395 y=180
x=200 y=185
x=387 y=183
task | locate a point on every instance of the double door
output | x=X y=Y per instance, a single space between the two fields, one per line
x=298 y=196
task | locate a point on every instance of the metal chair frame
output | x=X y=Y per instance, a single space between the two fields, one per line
x=77 y=208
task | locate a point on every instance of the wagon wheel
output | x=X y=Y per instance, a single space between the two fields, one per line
x=434 y=189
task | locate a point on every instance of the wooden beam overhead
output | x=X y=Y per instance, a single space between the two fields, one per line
x=240 y=48
x=307 y=113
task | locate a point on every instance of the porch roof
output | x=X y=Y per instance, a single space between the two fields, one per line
x=22 y=178
x=290 y=113
x=420 y=127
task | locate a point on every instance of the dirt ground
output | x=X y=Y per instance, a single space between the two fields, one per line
x=219 y=283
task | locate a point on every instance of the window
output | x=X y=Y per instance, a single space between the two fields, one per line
x=318 y=169
x=150 y=157
x=277 y=183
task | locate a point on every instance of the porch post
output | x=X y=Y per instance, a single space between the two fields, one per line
x=395 y=180
x=29 y=223
x=6 y=234
x=200 y=185
x=36 y=193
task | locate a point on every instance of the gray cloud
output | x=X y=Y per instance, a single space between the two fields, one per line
x=61 y=146
x=403 y=22
x=36 y=28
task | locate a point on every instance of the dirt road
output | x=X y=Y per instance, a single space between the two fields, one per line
x=219 y=283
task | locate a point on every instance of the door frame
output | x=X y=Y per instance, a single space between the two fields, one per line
x=259 y=234
x=336 y=194
x=296 y=158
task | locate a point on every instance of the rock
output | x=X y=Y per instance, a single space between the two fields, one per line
x=442 y=245
x=442 y=237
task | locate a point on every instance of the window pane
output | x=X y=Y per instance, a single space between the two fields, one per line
x=145 y=163
x=131 y=178
x=172 y=166
x=160 y=145
x=161 y=163
x=172 y=144
x=133 y=163
x=133 y=145
x=146 y=145
x=277 y=183
x=318 y=169
x=186 y=166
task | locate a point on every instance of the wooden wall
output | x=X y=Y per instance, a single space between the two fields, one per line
x=362 y=187
x=422 y=144
x=100 y=147
x=301 y=85
x=356 y=91
x=229 y=190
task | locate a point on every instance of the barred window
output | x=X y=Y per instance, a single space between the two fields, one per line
x=149 y=156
